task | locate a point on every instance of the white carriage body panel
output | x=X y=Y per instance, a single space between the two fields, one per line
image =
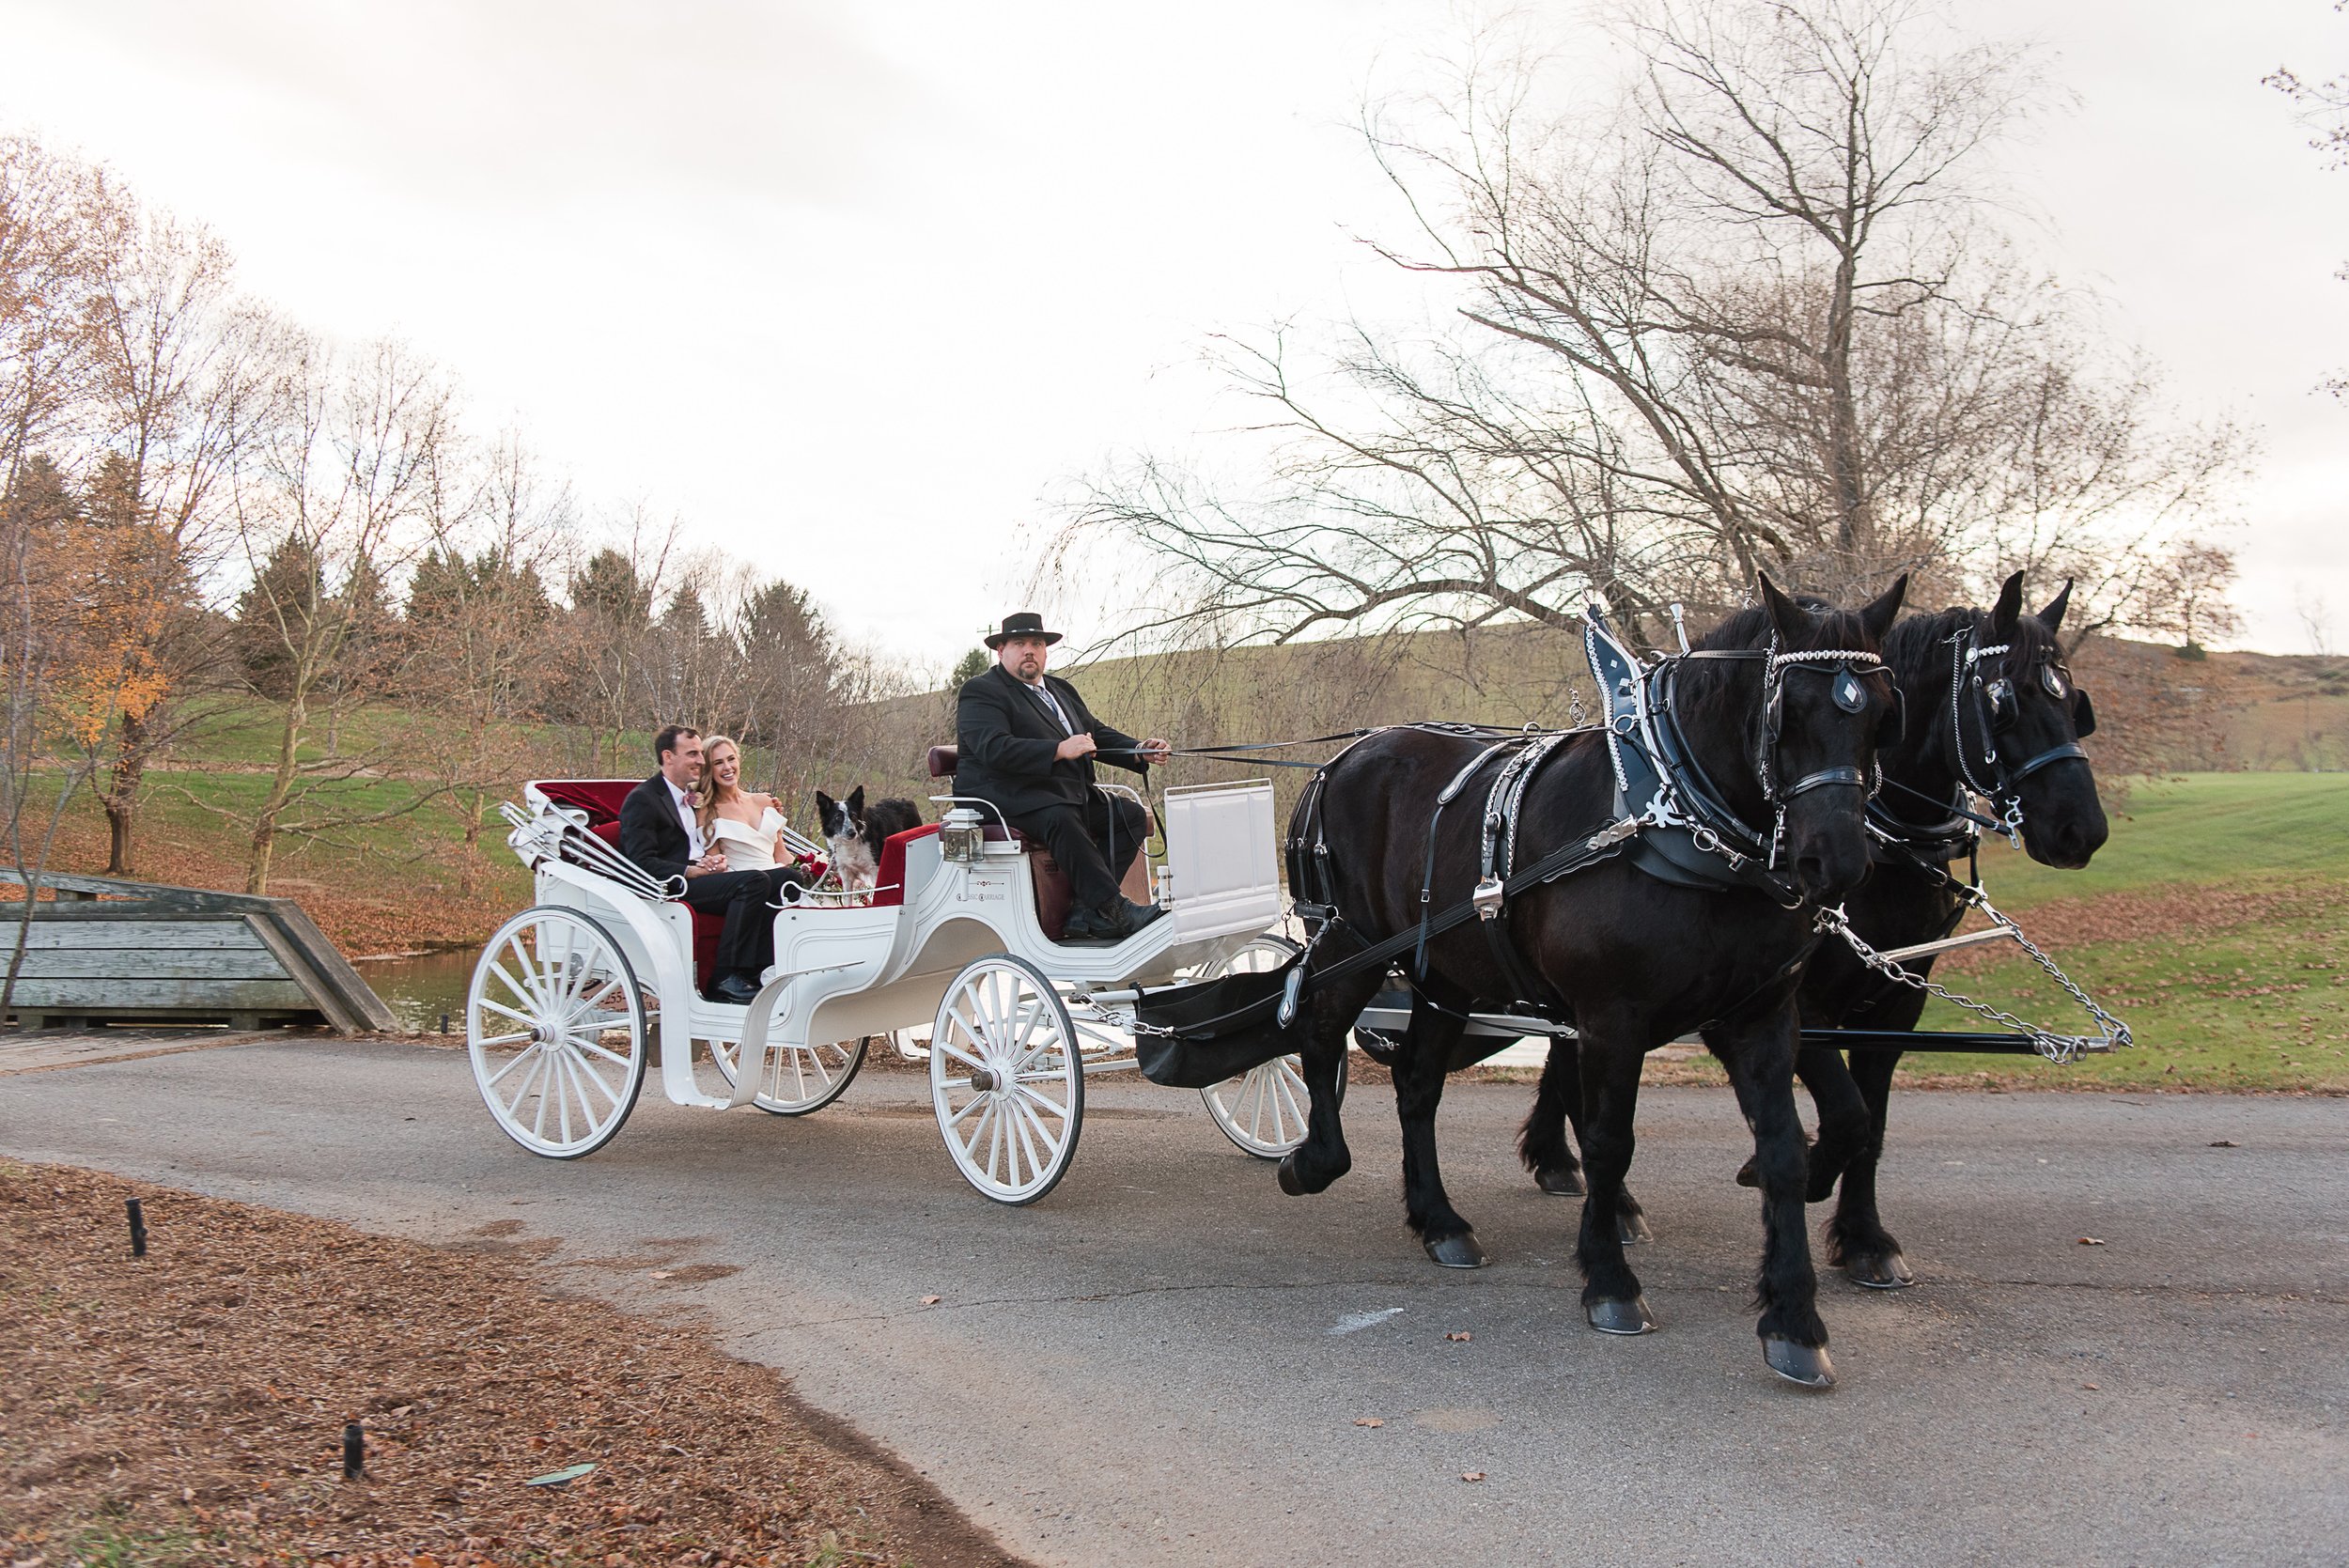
x=845 y=972
x=1224 y=867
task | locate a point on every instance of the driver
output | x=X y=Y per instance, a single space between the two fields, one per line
x=1028 y=745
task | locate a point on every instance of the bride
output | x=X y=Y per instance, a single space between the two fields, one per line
x=743 y=824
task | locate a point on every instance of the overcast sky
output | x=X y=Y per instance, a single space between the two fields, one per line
x=856 y=289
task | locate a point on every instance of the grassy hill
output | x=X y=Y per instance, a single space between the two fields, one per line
x=2214 y=923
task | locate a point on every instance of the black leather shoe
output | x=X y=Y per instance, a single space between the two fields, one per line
x=734 y=989
x=1082 y=926
x=1112 y=921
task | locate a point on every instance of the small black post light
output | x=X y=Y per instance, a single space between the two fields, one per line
x=354 y=1452
x=138 y=1227
x=445 y=1023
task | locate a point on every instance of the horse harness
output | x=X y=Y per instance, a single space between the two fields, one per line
x=1668 y=815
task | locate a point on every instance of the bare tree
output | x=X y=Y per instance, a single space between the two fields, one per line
x=480 y=621
x=332 y=506
x=1765 y=310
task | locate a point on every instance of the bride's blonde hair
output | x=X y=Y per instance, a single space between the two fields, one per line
x=706 y=792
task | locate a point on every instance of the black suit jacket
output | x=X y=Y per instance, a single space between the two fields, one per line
x=1007 y=737
x=650 y=833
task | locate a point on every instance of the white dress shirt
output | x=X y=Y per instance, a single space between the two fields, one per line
x=688 y=821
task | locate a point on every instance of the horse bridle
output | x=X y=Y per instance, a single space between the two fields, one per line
x=1847 y=665
x=1997 y=707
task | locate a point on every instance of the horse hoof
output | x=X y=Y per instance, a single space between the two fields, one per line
x=1631 y=1229
x=1559 y=1181
x=1457 y=1251
x=1621 y=1317
x=1879 y=1270
x=1747 y=1176
x=1806 y=1364
x=1291 y=1183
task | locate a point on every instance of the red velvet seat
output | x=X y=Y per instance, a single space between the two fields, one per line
x=889 y=878
x=601 y=799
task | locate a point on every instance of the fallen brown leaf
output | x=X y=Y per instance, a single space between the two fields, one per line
x=1460 y=1334
x=1472 y=1475
x=2091 y=1241
x=1370 y=1421
x=932 y=1301
x=2224 y=1143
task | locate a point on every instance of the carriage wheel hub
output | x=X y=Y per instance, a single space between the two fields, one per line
x=983 y=1080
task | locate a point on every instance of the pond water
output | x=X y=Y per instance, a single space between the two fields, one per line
x=419 y=990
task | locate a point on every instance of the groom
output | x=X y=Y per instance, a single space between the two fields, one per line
x=660 y=832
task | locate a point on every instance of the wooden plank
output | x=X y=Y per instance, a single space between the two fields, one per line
x=340 y=992
x=301 y=964
x=136 y=934
x=251 y=963
x=100 y=996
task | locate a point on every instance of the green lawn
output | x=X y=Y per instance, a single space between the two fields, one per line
x=2262 y=1002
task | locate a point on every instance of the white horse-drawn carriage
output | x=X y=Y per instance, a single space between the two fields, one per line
x=571 y=995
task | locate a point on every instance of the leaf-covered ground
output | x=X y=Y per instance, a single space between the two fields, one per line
x=189 y=1408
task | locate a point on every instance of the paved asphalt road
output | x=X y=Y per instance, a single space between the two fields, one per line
x=1164 y=1362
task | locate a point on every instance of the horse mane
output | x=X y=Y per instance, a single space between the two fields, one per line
x=1707 y=687
x=1918 y=645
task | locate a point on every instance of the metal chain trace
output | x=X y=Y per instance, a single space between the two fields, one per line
x=2059 y=1049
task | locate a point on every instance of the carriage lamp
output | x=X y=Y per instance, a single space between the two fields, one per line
x=960 y=835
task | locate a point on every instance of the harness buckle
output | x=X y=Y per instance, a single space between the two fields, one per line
x=1615 y=833
x=1488 y=898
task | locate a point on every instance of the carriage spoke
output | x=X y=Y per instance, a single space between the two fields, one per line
x=594 y=1049
x=1032 y=1097
x=947 y=1049
x=584 y=1069
x=496 y=1040
x=1031 y=1121
x=520 y=1058
x=514 y=988
x=563 y=1094
x=538 y=1060
x=529 y=986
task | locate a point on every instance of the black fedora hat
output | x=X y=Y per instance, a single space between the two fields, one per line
x=1027 y=623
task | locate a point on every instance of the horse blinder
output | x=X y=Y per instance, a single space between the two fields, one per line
x=2083 y=714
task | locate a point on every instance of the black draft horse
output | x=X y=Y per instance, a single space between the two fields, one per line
x=1992 y=711
x=1637 y=961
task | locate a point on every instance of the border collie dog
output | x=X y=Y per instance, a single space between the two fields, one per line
x=855 y=835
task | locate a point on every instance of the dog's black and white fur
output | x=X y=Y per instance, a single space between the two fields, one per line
x=854 y=835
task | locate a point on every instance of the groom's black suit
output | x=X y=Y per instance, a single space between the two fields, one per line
x=653 y=836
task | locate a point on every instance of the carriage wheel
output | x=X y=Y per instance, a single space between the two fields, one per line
x=554 y=1024
x=1263 y=1110
x=1007 y=1080
x=799 y=1078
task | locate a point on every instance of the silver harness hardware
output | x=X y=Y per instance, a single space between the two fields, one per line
x=2059 y=1049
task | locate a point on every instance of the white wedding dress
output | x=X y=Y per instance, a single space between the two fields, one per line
x=747 y=848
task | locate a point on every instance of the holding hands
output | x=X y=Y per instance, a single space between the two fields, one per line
x=708 y=865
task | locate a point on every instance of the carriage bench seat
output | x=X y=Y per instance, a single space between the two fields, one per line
x=1053 y=895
